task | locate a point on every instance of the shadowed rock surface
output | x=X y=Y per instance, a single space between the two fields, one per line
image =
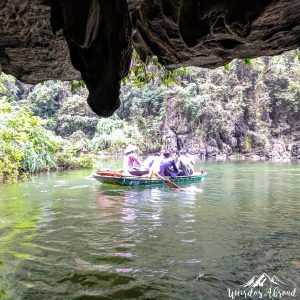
x=99 y=35
x=28 y=48
x=212 y=33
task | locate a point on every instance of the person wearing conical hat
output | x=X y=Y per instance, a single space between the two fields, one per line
x=131 y=160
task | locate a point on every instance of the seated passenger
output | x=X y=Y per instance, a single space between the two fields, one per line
x=131 y=161
x=185 y=163
x=152 y=163
x=155 y=167
x=168 y=166
x=148 y=162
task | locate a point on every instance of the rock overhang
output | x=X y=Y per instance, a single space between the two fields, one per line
x=93 y=39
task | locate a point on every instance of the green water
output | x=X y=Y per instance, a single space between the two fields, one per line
x=65 y=236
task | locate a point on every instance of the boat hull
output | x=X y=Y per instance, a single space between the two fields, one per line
x=146 y=181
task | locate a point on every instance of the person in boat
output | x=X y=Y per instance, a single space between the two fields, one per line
x=152 y=163
x=168 y=166
x=185 y=163
x=131 y=161
x=148 y=162
x=155 y=167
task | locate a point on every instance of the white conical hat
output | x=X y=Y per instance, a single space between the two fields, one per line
x=130 y=148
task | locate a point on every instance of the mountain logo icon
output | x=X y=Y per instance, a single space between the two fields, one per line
x=260 y=281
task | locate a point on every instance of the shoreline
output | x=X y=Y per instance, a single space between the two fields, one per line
x=109 y=156
x=221 y=157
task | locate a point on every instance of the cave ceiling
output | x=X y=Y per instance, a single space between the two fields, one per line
x=94 y=39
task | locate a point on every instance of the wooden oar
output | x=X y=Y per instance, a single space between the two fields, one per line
x=168 y=182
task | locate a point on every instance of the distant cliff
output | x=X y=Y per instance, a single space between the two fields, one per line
x=246 y=110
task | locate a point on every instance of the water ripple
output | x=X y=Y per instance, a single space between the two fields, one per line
x=81 y=240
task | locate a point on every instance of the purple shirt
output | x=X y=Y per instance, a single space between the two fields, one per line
x=168 y=167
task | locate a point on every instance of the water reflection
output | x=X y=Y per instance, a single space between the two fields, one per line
x=80 y=239
x=149 y=217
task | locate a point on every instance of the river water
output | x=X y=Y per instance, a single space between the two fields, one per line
x=65 y=236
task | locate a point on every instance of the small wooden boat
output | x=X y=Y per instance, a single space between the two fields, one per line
x=117 y=178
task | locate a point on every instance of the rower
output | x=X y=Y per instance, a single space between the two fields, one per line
x=131 y=160
x=168 y=166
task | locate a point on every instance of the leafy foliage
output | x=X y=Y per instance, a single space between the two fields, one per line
x=114 y=134
x=153 y=72
x=25 y=146
x=71 y=158
x=76 y=85
x=74 y=114
x=43 y=99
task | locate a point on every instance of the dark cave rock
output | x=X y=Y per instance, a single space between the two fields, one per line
x=40 y=38
x=213 y=32
x=99 y=38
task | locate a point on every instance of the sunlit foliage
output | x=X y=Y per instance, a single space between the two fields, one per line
x=115 y=134
x=241 y=107
x=25 y=145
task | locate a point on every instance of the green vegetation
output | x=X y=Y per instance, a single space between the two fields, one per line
x=26 y=146
x=114 y=134
x=246 y=107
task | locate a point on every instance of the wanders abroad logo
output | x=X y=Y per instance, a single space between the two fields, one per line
x=263 y=279
x=263 y=287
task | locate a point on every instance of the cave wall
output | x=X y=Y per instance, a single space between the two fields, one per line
x=29 y=50
x=61 y=39
x=210 y=33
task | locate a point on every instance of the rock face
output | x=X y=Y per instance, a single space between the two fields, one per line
x=37 y=36
x=29 y=50
x=280 y=149
x=210 y=33
x=98 y=33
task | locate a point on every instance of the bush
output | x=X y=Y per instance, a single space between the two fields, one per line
x=25 y=145
x=114 y=134
x=70 y=158
x=75 y=114
x=43 y=99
